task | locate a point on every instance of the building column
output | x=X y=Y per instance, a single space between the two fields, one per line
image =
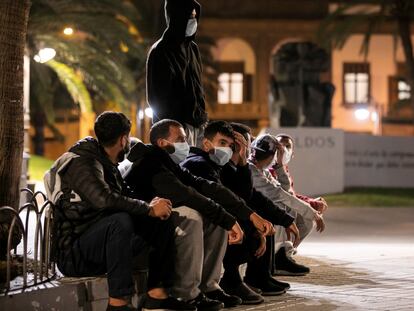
x=263 y=50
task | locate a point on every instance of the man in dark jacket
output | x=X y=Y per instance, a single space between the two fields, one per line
x=202 y=208
x=174 y=86
x=217 y=162
x=99 y=229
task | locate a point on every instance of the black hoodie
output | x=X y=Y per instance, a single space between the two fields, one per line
x=154 y=173
x=174 y=86
x=238 y=180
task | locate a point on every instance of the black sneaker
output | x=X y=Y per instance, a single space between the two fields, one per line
x=228 y=300
x=121 y=308
x=247 y=295
x=285 y=285
x=169 y=303
x=202 y=303
x=288 y=266
x=267 y=287
x=255 y=289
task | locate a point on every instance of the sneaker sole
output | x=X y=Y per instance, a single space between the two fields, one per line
x=252 y=302
x=278 y=293
x=288 y=273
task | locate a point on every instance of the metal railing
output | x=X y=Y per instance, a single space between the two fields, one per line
x=43 y=268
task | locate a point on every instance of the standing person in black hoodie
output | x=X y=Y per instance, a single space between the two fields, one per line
x=174 y=86
x=99 y=229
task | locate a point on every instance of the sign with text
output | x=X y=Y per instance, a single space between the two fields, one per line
x=318 y=163
x=379 y=161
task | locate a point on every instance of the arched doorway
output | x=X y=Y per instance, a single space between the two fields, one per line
x=236 y=70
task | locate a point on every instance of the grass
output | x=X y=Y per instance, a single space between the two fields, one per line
x=374 y=197
x=38 y=167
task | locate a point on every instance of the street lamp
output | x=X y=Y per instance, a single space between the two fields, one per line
x=45 y=55
x=68 y=31
x=362 y=114
x=149 y=113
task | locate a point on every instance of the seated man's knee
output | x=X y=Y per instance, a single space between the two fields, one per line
x=122 y=222
x=187 y=222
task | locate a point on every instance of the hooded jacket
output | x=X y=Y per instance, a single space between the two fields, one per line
x=154 y=173
x=90 y=188
x=238 y=180
x=174 y=85
x=200 y=164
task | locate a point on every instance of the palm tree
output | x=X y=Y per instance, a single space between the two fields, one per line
x=13 y=28
x=335 y=30
x=93 y=64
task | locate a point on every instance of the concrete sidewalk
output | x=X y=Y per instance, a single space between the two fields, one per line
x=364 y=261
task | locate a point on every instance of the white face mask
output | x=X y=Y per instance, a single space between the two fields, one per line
x=181 y=151
x=287 y=156
x=221 y=155
x=191 y=27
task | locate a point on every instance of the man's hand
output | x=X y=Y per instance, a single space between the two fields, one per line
x=293 y=229
x=241 y=147
x=320 y=224
x=235 y=234
x=322 y=206
x=160 y=208
x=263 y=226
x=262 y=247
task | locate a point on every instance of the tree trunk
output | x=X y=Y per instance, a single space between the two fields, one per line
x=13 y=28
x=404 y=30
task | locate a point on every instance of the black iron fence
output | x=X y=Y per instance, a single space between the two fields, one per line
x=38 y=268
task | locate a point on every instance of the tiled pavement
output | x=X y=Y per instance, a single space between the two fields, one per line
x=364 y=261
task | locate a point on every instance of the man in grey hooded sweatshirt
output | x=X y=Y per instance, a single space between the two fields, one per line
x=174 y=87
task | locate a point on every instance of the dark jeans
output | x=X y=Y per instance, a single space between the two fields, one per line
x=244 y=253
x=110 y=246
x=258 y=270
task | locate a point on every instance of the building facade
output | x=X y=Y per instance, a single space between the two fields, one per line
x=371 y=95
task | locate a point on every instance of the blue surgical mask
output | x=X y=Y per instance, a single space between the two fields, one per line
x=221 y=155
x=191 y=27
x=181 y=151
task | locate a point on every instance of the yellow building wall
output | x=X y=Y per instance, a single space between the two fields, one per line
x=383 y=63
x=234 y=49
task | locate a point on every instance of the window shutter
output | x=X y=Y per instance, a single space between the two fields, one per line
x=247 y=88
x=392 y=90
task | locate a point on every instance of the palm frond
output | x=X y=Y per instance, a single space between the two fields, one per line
x=73 y=83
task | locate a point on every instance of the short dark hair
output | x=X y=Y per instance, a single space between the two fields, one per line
x=215 y=127
x=111 y=125
x=161 y=129
x=242 y=129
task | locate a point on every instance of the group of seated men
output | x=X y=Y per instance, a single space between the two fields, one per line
x=194 y=211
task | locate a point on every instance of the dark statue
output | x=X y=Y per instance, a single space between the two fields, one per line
x=298 y=95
